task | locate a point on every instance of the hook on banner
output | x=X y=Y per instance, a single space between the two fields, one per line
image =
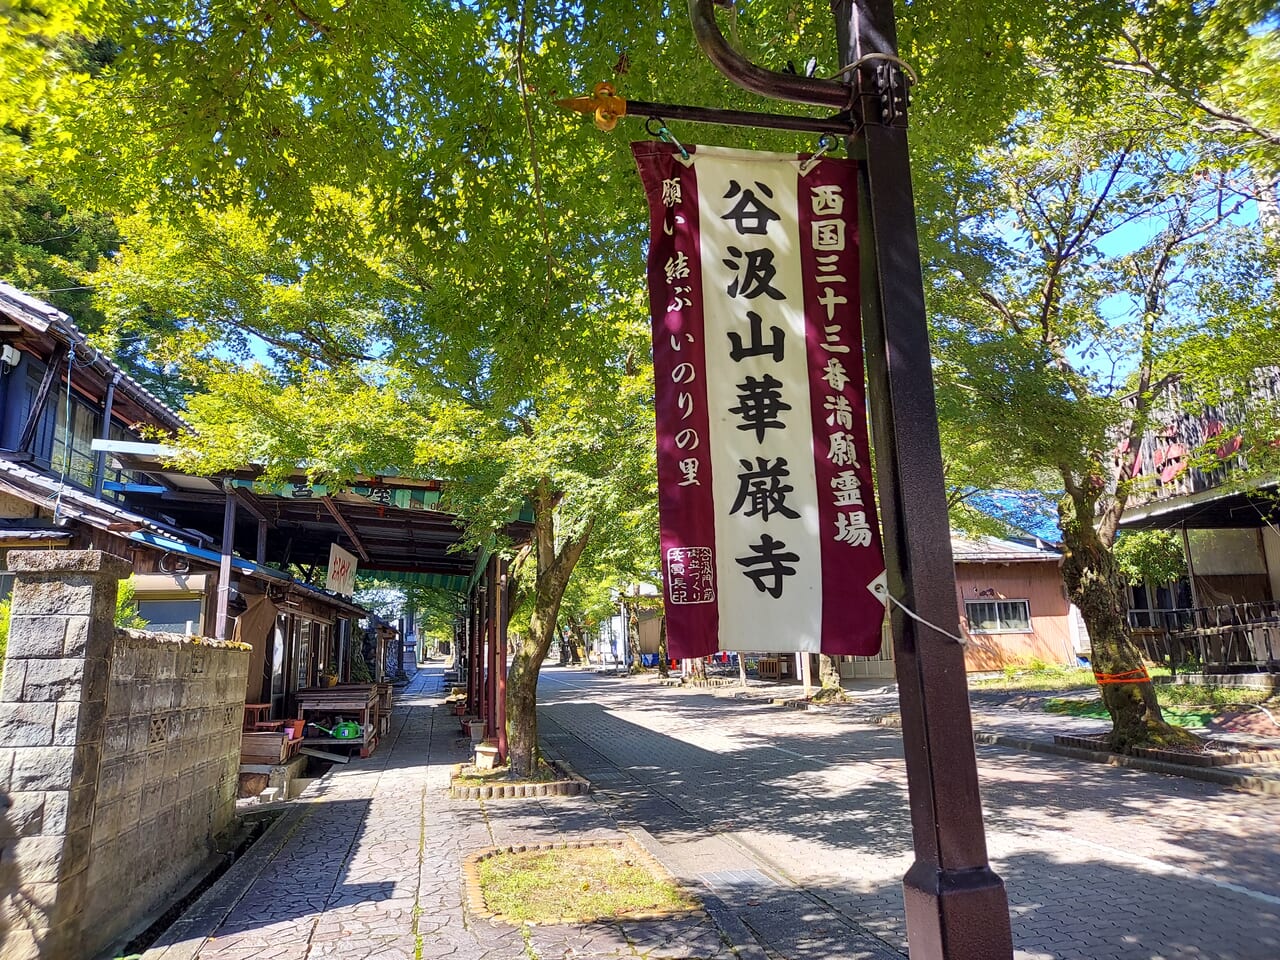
x=665 y=135
x=825 y=144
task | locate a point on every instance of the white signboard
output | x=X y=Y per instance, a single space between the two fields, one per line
x=342 y=572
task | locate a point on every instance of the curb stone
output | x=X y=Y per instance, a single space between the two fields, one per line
x=1243 y=782
x=187 y=935
x=1246 y=755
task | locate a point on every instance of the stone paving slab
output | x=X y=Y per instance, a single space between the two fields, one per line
x=791 y=827
x=1098 y=862
x=367 y=863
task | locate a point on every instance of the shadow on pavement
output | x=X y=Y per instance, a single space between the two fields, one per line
x=1098 y=862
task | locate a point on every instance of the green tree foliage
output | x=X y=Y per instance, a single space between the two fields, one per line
x=1098 y=252
x=51 y=251
x=1150 y=556
x=46 y=248
x=364 y=232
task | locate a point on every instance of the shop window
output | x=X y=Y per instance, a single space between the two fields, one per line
x=998 y=616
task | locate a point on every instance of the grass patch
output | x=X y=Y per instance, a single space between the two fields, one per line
x=1037 y=678
x=576 y=884
x=1217 y=697
x=1038 y=675
x=1179 y=717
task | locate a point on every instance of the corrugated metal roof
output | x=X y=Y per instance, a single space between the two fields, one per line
x=75 y=504
x=29 y=535
x=247 y=567
x=995 y=550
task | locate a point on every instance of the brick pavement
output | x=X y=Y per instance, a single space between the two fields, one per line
x=791 y=825
x=1100 y=863
x=367 y=864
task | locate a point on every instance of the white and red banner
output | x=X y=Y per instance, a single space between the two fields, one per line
x=769 y=532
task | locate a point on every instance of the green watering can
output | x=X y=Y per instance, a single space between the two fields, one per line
x=343 y=730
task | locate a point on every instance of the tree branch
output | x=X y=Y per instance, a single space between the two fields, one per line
x=1143 y=66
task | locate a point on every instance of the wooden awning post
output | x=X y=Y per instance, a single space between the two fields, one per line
x=473 y=631
x=491 y=651
x=504 y=614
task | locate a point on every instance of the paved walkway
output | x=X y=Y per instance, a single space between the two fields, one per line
x=792 y=827
x=367 y=864
x=1100 y=863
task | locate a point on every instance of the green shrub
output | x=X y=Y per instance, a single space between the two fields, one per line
x=127 y=607
x=4 y=630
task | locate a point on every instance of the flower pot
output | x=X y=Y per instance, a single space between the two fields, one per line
x=486 y=756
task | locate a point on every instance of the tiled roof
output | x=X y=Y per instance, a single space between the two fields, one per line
x=42 y=318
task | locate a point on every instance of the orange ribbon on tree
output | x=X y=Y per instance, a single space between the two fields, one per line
x=1131 y=676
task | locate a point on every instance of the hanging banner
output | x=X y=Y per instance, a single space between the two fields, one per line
x=341 y=575
x=769 y=534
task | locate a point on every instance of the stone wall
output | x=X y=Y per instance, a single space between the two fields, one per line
x=168 y=773
x=118 y=758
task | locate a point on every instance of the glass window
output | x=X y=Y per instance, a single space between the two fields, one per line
x=111 y=473
x=171 y=616
x=998 y=616
x=79 y=459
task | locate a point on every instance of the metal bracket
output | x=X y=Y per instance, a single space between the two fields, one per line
x=892 y=91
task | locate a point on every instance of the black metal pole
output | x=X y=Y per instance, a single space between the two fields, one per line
x=956 y=907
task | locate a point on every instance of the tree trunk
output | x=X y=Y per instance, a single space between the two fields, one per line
x=1095 y=586
x=697 y=669
x=576 y=642
x=663 y=653
x=553 y=571
x=633 y=638
x=829 y=678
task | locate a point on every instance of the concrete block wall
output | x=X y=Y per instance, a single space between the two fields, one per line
x=168 y=771
x=119 y=755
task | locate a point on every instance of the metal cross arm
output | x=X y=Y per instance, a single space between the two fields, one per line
x=749 y=76
x=608 y=108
